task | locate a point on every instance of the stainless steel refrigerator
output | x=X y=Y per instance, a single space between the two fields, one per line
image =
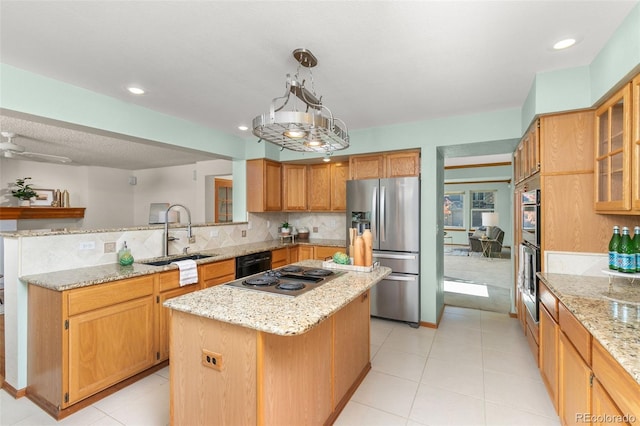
x=391 y=209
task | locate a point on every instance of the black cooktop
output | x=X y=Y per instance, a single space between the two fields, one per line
x=291 y=280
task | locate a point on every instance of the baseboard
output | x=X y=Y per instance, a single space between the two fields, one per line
x=16 y=393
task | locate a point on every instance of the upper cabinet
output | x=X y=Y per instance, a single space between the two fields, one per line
x=613 y=154
x=526 y=158
x=385 y=165
x=264 y=185
x=635 y=141
x=315 y=187
x=294 y=191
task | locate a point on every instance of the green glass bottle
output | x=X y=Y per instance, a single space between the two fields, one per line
x=636 y=246
x=614 y=243
x=626 y=253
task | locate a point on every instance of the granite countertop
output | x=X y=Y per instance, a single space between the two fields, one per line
x=278 y=314
x=99 y=274
x=611 y=315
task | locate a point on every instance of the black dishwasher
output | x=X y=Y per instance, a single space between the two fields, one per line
x=252 y=264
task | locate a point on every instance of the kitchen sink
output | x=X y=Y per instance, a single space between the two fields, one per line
x=167 y=261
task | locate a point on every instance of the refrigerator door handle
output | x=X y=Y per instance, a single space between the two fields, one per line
x=383 y=225
x=400 y=278
x=395 y=256
x=374 y=201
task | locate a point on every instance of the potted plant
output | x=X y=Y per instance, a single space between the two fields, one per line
x=285 y=228
x=24 y=192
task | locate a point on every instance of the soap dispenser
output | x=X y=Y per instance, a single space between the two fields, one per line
x=124 y=255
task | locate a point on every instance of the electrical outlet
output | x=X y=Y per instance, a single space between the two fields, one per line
x=110 y=247
x=213 y=232
x=315 y=229
x=212 y=360
x=244 y=233
x=87 y=245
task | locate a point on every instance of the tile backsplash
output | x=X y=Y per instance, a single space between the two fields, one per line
x=76 y=250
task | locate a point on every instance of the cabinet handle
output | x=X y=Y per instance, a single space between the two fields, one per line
x=365 y=296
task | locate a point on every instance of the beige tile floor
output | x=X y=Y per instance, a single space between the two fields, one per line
x=475 y=369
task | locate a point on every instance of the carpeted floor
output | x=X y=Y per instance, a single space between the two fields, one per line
x=489 y=281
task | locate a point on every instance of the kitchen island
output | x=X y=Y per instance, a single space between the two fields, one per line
x=246 y=357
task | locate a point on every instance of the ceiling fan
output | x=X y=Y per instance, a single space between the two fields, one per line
x=9 y=149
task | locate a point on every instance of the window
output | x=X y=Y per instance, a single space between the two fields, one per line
x=481 y=202
x=454 y=209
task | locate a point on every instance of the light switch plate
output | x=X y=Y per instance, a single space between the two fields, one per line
x=110 y=247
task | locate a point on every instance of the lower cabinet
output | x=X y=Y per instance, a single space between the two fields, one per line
x=268 y=379
x=169 y=284
x=549 y=354
x=317 y=252
x=84 y=340
x=586 y=384
x=280 y=258
x=574 y=396
x=603 y=409
x=217 y=272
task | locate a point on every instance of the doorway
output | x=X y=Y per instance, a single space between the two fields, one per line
x=471 y=279
x=223 y=200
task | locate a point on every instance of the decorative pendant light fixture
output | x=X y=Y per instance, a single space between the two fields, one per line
x=313 y=129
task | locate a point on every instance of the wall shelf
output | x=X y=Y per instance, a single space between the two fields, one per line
x=13 y=213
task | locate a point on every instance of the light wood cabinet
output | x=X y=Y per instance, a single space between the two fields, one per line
x=294 y=183
x=83 y=340
x=279 y=258
x=527 y=154
x=635 y=142
x=622 y=389
x=217 y=272
x=264 y=185
x=549 y=353
x=320 y=187
x=613 y=153
x=351 y=344
x=306 y=252
x=402 y=164
x=366 y=166
x=604 y=411
x=268 y=379
x=315 y=187
x=169 y=287
x=385 y=165
x=338 y=187
x=592 y=387
x=574 y=388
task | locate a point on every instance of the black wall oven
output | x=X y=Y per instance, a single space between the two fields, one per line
x=530 y=251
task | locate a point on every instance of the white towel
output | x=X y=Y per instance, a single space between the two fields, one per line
x=188 y=271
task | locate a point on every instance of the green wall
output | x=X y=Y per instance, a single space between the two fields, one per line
x=489 y=132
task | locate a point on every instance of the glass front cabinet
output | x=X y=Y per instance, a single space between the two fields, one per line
x=613 y=174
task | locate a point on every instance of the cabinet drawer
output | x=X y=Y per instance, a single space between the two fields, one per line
x=577 y=334
x=169 y=280
x=324 y=252
x=549 y=301
x=218 y=269
x=94 y=297
x=279 y=256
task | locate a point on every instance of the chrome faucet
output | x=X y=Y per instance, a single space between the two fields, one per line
x=165 y=248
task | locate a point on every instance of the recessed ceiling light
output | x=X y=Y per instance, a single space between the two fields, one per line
x=135 y=90
x=563 y=44
x=243 y=128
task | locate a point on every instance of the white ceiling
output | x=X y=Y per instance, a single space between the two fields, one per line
x=219 y=63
